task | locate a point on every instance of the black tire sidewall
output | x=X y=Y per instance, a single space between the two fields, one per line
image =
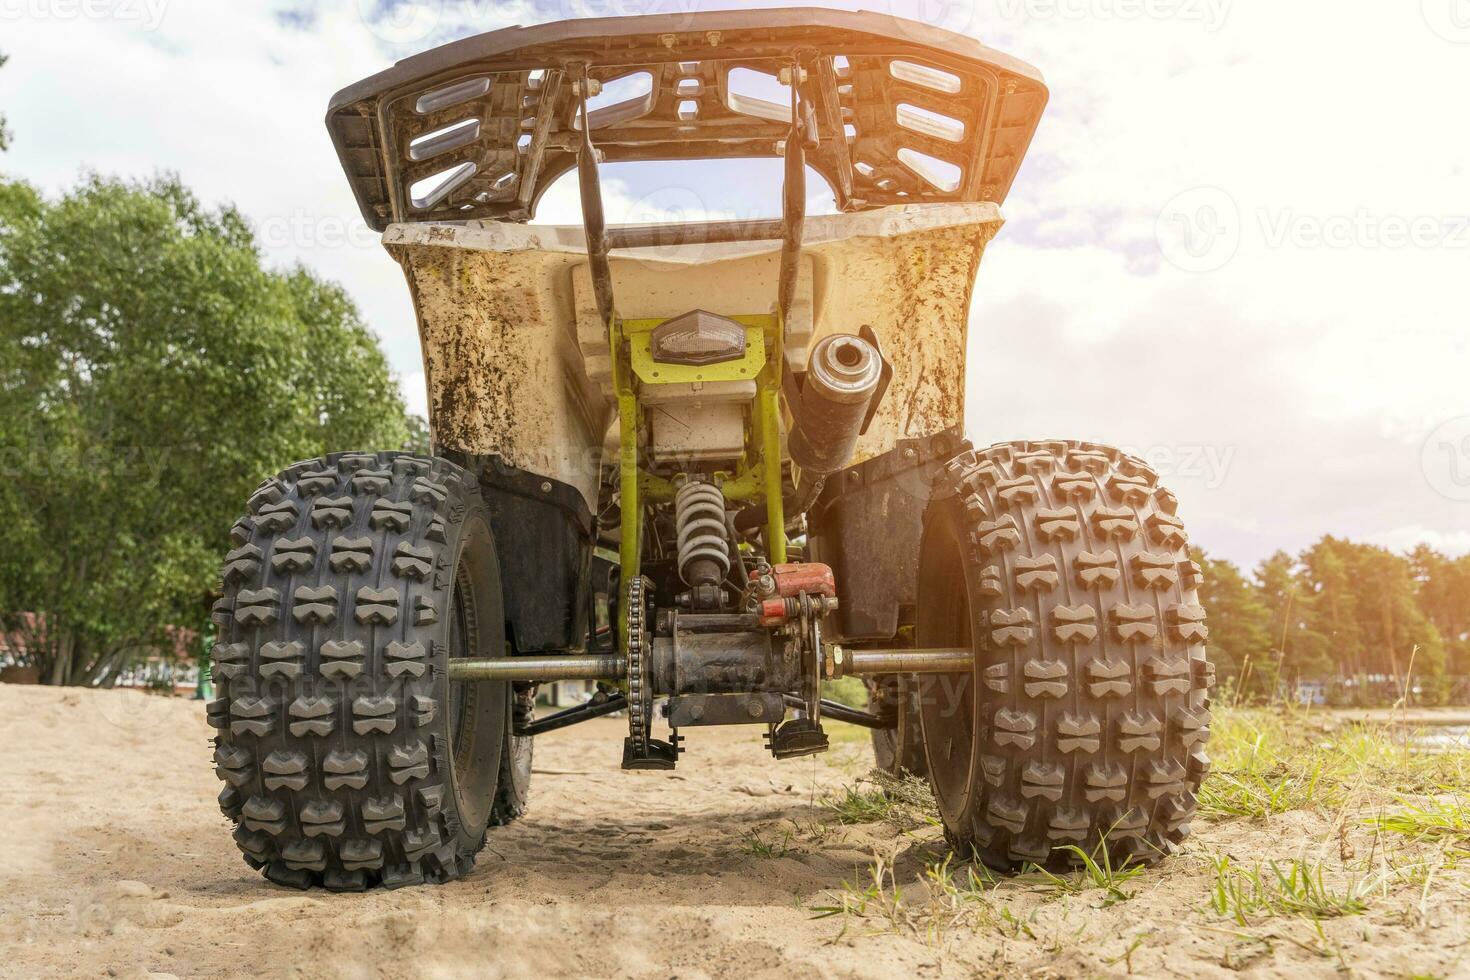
x=941 y=696
x=474 y=776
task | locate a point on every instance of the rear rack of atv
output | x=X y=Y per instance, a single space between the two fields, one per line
x=898 y=112
x=763 y=472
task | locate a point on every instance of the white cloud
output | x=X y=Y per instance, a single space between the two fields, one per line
x=1324 y=351
x=1407 y=537
x=416 y=393
x=562 y=204
x=232 y=100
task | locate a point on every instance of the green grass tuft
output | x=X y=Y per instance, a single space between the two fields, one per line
x=1439 y=818
x=1271 y=761
x=1286 y=888
x=1096 y=872
x=1282 y=788
x=755 y=844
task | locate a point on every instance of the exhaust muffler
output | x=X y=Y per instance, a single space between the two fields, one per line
x=843 y=377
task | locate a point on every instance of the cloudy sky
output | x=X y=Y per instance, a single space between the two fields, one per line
x=1240 y=246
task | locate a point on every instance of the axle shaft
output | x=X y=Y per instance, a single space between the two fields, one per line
x=932 y=661
x=589 y=668
x=608 y=667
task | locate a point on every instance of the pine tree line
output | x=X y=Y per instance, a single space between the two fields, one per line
x=1344 y=622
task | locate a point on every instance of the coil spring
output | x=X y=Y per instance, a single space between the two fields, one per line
x=699 y=517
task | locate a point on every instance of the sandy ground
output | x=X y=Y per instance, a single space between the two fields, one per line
x=118 y=863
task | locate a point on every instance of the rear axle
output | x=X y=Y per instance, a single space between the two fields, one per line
x=606 y=667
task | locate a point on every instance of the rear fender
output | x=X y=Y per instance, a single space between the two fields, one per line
x=517 y=358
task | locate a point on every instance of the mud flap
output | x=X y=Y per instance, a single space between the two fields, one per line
x=867 y=525
x=544 y=530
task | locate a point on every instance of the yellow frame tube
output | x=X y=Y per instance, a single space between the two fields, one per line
x=630 y=542
x=768 y=411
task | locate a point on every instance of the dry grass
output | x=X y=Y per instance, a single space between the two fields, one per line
x=903 y=801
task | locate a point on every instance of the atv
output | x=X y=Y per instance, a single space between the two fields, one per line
x=707 y=466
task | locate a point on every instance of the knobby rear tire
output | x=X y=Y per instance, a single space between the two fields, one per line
x=1085 y=720
x=348 y=762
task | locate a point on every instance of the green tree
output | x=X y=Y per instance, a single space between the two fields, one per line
x=418 y=436
x=1442 y=586
x=152 y=372
x=4 y=133
x=1333 y=611
x=1297 y=651
x=1240 y=622
x=1366 y=602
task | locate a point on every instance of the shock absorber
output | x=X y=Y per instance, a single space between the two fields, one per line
x=704 y=546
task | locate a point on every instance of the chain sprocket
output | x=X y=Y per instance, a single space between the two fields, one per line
x=640 y=693
x=640 y=750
